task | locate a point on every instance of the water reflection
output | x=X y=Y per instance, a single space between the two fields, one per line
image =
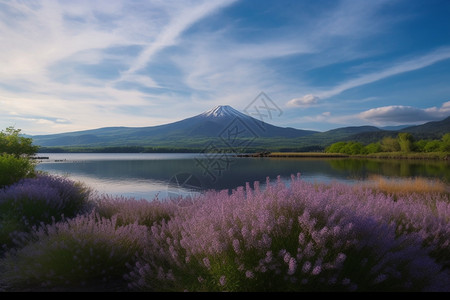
x=362 y=168
x=145 y=176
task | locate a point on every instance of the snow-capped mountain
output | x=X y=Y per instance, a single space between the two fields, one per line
x=210 y=124
x=223 y=111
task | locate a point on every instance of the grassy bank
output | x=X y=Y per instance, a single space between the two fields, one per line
x=410 y=155
x=381 y=155
x=296 y=154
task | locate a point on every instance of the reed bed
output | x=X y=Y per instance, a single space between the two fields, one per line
x=404 y=186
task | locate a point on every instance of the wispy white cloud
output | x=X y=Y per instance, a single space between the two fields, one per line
x=408 y=65
x=399 y=114
x=54 y=45
x=178 y=23
x=141 y=63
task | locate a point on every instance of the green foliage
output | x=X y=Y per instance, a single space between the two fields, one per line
x=352 y=148
x=405 y=141
x=445 y=145
x=432 y=146
x=420 y=145
x=15 y=152
x=335 y=148
x=13 y=168
x=389 y=144
x=11 y=142
x=373 y=148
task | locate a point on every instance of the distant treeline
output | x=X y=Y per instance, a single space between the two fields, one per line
x=123 y=149
x=140 y=149
x=404 y=142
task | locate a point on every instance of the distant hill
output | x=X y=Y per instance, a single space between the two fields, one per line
x=430 y=130
x=225 y=127
x=394 y=128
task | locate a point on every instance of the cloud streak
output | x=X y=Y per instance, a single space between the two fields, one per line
x=60 y=55
x=409 y=65
x=399 y=114
x=178 y=23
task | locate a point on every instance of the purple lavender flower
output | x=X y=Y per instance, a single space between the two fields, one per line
x=222 y=280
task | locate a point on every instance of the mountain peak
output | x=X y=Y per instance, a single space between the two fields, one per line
x=223 y=111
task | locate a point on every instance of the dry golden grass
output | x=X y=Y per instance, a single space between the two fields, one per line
x=401 y=186
x=305 y=154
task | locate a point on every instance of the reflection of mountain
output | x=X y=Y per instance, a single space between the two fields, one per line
x=234 y=172
x=213 y=174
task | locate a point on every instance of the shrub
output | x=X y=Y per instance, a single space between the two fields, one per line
x=87 y=252
x=390 y=144
x=432 y=146
x=303 y=238
x=336 y=147
x=405 y=141
x=130 y=210
x=43 y=199
x=297 y=236
x=13 y=168
x=15 y=151
x=373 y=148
x=445 y=145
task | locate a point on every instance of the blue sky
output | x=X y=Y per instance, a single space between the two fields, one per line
x=85 y=64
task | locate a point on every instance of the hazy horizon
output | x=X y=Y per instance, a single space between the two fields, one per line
x=261 y=119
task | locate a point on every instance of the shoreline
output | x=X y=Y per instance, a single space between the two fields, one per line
x=382 y=155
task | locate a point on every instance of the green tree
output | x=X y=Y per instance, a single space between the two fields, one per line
x=355 y=148
x=445 y=145
x=419 y=146
x=432 y=146
x=11 y=142
x=351 y=148
x=335 y=148
x=15 y=156
x=405 y=141
x=390 y=144
x=373 y=148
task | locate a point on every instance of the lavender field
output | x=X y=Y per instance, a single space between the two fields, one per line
x=296 y=236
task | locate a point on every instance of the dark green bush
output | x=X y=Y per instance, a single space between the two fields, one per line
x=13 y=168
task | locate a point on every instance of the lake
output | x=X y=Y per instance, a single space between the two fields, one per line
x=146 y=175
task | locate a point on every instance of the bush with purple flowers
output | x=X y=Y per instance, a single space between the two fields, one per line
x=295 y=236
x=304 y=237
x=81 y=252
x=43 y=199
x=130 y=210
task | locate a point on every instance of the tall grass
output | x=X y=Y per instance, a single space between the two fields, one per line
x=297 y=236
x=400 y=186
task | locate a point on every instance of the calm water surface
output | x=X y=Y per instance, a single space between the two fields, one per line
x=148 y=175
